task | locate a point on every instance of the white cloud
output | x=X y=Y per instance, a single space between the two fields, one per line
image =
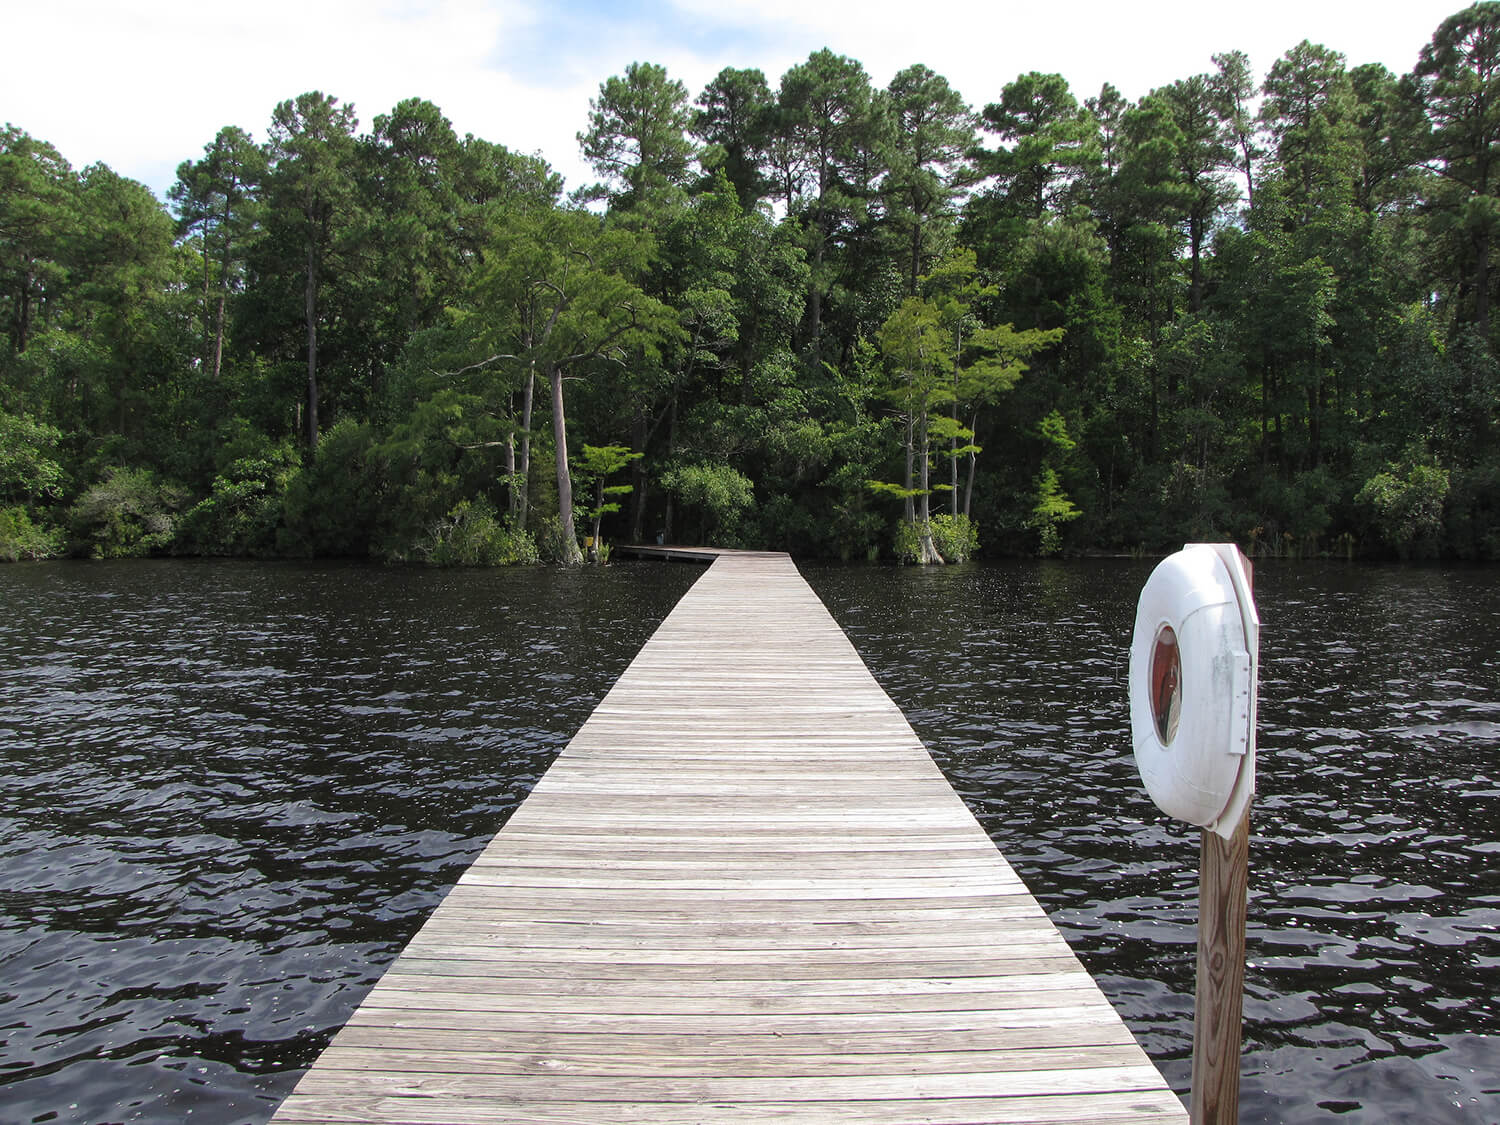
x=142 y=87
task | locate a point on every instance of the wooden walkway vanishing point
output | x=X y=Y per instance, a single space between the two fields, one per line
x=744 y=892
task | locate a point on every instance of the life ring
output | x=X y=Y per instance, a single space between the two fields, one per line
x=1193 y=665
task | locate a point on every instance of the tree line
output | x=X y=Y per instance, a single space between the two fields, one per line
x=819 y=316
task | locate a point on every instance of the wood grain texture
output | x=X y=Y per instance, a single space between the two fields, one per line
x=1223 y=901
x=744 y=892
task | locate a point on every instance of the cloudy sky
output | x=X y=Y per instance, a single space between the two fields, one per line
x=142 y=85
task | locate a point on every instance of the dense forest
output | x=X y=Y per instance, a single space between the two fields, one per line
x=816 y=316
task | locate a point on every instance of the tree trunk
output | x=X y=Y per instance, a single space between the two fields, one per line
x=572 y=556
x=953 y=475
x=639 y=435
x=973 y=461
x=596 y=554
x=224 y=265
x=1195 y=284
x=310 y=305
x=510 y=460
x=1155 y=410
x=23 y=311
x=958 y=353
x=207 y=343
x=523 y=481
x=1482 y=288
x=815 y=303
x=928 y=552
x=219 y=336
x=910 y=508
x=916 y=257
x=671 y=449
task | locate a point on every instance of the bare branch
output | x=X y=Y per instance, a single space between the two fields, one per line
x=475 y=366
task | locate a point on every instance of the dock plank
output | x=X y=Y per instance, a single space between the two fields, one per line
x=744 y=892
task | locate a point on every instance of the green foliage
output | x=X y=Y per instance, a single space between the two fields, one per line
x=1195 y=507
x=243 y=512
x=1405 y=507
x=886 y=488
x=552 y=544
x=332 y=506
x=1053 y=430
x=21 y=539
x=598 y=463
x=719 y=494
x=1051 y=144
x=1050 y=511
x=819 y=502
x=29 y=472
x=129 y=513
x=956 y=537
x=943 y=358
x=218 y=206
x=734 y=120
x=1051 y=506
x=1120 y=324
x=636 y=137
x=906 y=542
x=473 y=535
x=561 y=296
x=38 y=210
x=396 y=486
x=1473 y=512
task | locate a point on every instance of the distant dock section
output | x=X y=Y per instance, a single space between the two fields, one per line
x=704 y=555
x=743 y=892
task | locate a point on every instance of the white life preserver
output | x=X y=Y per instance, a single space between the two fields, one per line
x=1193 y=665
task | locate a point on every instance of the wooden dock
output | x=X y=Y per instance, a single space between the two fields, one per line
x=744 y=892
x=704 y=555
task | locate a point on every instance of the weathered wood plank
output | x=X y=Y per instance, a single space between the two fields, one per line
x=650 y=1064
x=778 y=1052
x=370 y=1014
x=719 y=936
x=778 y=1089
x=563 y=969
x=1025 y=978
x=1138 y=1107
x=744 y=892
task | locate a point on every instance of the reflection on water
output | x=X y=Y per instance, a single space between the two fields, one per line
x=1374 y=932
x=234 y=791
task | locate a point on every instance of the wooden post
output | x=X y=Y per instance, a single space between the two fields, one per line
x=1223 y=892
x=1223 y=897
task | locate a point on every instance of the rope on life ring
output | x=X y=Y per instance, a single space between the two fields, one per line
x=1193 y=663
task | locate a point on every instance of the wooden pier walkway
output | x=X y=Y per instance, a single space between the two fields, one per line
x=744 y=892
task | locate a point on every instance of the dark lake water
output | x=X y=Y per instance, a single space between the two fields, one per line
x=232 y=792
